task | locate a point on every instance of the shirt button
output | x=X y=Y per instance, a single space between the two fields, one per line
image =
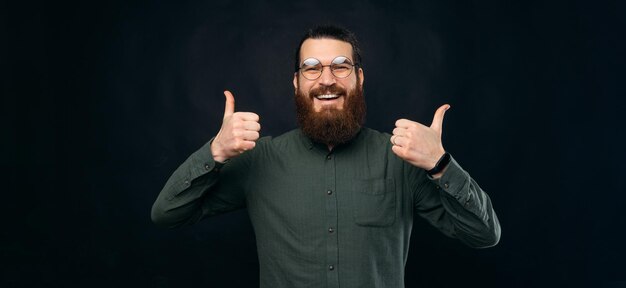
x=331 y=267
x=329 y=157
x=331 y=230
x=446 y=185
x=207 y=167
x=329 y=192
x=186 y=182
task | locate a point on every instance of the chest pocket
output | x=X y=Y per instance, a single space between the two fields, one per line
x=374 y=202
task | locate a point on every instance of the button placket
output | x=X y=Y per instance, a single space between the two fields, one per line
x=332 y=255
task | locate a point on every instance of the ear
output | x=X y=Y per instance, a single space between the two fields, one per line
x=295 y=80
x=361 y=77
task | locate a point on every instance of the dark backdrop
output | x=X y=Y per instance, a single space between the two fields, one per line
x=102 y=101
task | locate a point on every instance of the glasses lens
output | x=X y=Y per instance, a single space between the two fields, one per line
x=311 y=68
x=341 y=67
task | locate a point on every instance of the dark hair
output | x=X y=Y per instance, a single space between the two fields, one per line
x=331 y=32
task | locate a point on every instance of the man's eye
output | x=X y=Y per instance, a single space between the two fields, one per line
x=309 y=69
x=341 y=67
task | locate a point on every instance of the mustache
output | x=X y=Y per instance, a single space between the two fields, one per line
x=327 y=90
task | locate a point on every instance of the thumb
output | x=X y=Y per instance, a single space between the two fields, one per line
x=229 y=109
x=438 y=118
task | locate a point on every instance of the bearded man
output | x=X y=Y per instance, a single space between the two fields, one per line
x=331 y=203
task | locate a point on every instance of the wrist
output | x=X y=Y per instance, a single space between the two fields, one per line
x=440 y=166
x=218 y=156
x=219 y=159
x=435 y=160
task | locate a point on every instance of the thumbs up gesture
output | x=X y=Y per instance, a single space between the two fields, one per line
x=418 y=144
x=238 y=133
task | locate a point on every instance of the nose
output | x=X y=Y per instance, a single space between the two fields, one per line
x=327 y=78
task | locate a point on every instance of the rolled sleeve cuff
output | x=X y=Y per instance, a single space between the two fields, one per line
x=203 y=161
x=453 y=180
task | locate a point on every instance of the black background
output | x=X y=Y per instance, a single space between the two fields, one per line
x=102 y=101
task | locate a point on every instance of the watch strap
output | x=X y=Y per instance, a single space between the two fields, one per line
x=441 y=164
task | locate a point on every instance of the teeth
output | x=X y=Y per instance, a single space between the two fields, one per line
x=327 y=96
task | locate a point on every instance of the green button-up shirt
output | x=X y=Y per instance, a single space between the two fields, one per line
x=339 y=218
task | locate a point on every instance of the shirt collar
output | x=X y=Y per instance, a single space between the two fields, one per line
x=309 y=144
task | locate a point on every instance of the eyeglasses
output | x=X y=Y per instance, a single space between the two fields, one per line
x=312 y=68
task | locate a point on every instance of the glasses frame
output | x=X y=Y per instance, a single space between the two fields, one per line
x=329 y=67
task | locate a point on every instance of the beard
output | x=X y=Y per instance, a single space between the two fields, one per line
x=330 y=125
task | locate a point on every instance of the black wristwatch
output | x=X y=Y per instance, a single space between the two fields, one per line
x=441 y=164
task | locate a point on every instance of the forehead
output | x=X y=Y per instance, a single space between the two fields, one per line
x=325 y=50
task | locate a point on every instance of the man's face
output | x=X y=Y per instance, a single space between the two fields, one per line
x=329 y=109
x=326 y=50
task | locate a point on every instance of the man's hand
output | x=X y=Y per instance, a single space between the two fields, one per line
x=418 y=144
x=238 y=133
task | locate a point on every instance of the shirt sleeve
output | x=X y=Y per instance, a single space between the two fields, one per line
x=457 y=206
x=200 y=187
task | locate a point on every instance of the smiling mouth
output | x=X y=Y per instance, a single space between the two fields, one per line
x=327 y=97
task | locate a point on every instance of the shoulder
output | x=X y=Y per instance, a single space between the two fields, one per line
x=374 y=136
x=282 y=141
x=288 y=136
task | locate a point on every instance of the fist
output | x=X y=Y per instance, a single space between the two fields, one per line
x=238 y=133
x=418 y=144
